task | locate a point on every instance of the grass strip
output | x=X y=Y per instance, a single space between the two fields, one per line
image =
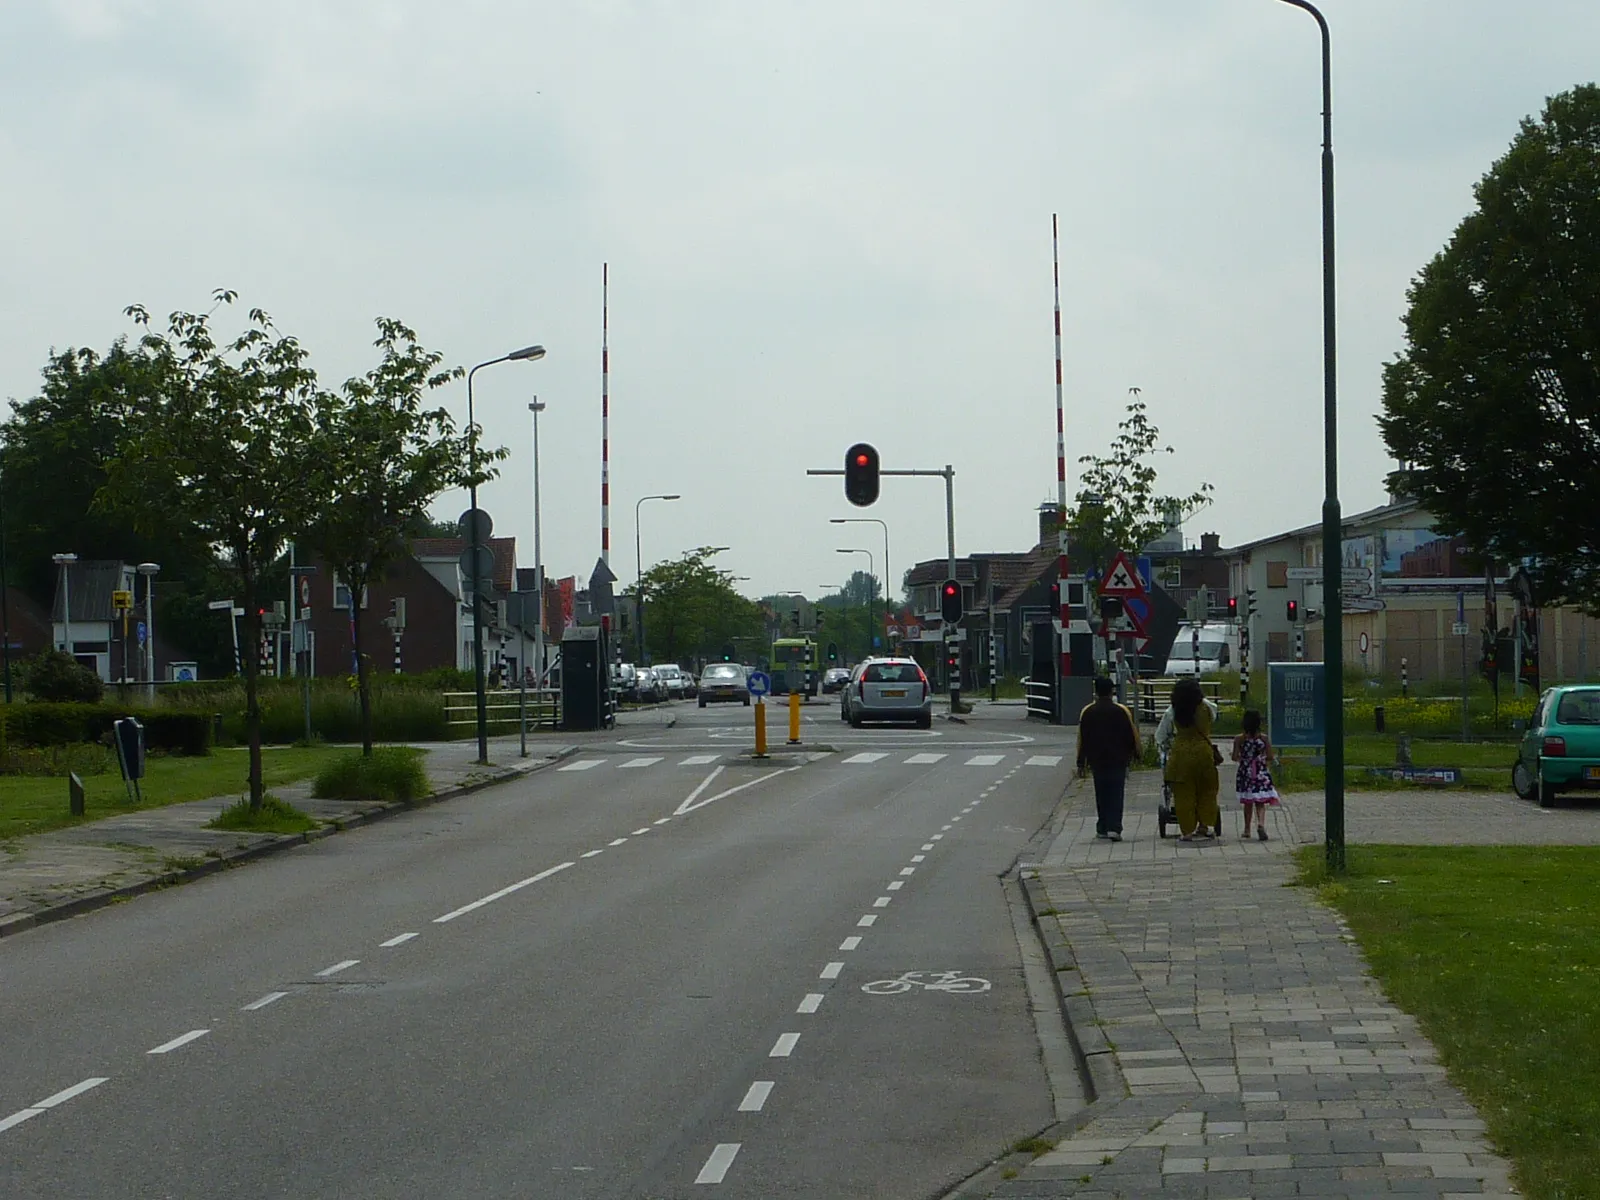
x=274 y=816
x=1496 y=951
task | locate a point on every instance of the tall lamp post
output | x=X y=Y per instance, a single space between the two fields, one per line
x=1332 y=560
x=638 y=572
x=872 y=593
x=149 y=570
x=5 y=597
x=475 y=538
x=537 y=407
x=64 y=561
x=888 y=575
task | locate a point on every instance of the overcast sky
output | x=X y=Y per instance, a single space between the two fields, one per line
x=825 y=222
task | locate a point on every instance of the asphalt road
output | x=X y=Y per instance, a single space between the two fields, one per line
x=658 y=971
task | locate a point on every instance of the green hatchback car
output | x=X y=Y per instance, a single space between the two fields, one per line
x=1560 y=751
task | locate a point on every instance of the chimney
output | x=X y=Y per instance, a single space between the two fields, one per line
x=1047 y=525
x=1210 y=543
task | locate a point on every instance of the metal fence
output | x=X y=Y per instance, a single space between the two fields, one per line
x=505 y=709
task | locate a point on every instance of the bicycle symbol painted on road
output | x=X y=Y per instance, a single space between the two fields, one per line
x=928 y=981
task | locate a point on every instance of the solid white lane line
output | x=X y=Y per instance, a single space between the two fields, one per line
x=661 y=820
x=908 y=870
x=1045 y=760
x=717 y=1165
x=501 y=894
x=590 y=853
x=583 y=764
x=922 y=760
x=850 y=943
x=691 y=804
x=867 y=922
x=894 y=886
x=784 y=1046
x=632 y=763
x=831 y=971
x=756 y=1097
x=811 y=1003
x=616 y=841
x=269 y=998
x=698 y=760
x=921 y=857
x=863 y=758
x=640 y=832
x=66 y=1094
x=17 y=1118
x=882 y=902
x=339 y=966
x=398 y=939
x=985 y=760
x=184 y=1040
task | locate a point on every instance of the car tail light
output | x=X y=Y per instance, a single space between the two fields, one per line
x=1554 y=747
x=861 y=687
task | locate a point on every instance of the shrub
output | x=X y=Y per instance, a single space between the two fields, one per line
x=392 y=773
x=81 y=757
x=274 y=816
x=179 y=732
x=41 y=724
x=57 y=677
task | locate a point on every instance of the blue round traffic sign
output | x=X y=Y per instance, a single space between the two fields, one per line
x=759 y=683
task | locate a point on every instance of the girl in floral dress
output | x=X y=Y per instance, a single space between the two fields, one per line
x=1253 y=752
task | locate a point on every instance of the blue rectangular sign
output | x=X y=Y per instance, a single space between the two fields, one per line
x=1295 y=712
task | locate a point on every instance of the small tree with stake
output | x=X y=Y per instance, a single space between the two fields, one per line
x=379 y=458
x=224 y=445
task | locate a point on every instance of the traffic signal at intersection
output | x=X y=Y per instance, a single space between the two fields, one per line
x=861 y=474
x=1294 y=610
x=950 y=601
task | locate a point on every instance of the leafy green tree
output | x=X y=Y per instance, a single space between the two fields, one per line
x=1493 y=407
x=1117 y=507
x=693 y=608
x=379 y=457
x=56 y=676
x=224 y=447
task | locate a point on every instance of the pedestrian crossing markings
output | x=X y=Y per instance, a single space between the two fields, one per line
x=862 y=759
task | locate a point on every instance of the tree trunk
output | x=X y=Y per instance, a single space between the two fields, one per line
x=250 y=667
x=358 y=589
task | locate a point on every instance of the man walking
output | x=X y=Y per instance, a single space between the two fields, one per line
x=1108 y=741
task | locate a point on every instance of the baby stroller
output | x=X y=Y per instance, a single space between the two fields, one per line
x=1166 y=814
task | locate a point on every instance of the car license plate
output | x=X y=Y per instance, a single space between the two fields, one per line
x=894 y=693
x=1592 y=773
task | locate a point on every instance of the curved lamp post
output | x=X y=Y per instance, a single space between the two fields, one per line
x=872 y=594
x=638 y=571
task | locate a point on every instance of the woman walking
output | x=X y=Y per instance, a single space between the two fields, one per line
x=1192 y=763
x=1253 y=752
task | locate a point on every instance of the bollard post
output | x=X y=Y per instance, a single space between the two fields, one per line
x=74 y=794
x=761 y=728
x=794 y=718
x=1377 y=718
x=1404 y=685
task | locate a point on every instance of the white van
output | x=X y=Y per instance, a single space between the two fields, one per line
x=1219 y=649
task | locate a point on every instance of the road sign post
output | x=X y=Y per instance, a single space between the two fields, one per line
x=759 y=685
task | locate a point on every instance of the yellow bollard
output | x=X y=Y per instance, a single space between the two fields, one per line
x=761 y=729
x=794 y=718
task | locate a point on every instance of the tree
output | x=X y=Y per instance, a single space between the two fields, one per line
x=379 y=458
x=224 y=446
x=1117 y=507
x=694 y=608
x=1493 y=407
x=56 y=676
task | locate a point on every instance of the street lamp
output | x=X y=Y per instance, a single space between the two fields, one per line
x=887 y=573
x=638 y=571
x=475 y=541
x=872 y=592
x=64 y=561
x=149 y=570
x=1332 y=560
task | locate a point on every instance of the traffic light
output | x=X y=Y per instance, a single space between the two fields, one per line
x=833 y=652
x=1233 y=608
x=1110 y=607
x=1294 y=611
x=950 y=601
x=861 y=474
x=727 y=652
x=952 y=661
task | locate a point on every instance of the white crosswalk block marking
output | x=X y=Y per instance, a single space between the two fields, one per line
x=583 y=764
x=984 y=760
x=646 y=761
x=698 y=760
x=864 y=758
x=1045 y=760
x=922 y=760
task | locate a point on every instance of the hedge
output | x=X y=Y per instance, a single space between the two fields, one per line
x=40 y=724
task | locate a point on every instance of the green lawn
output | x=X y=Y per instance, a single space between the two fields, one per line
x=1496 y=951
x=1485 y=765
x=32 y=804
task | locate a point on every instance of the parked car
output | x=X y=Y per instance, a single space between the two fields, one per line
x=1560 y=749
x=625 y=677
x=887 y=689
x=651 y=689
x=724 y=681
x=834 y=678
x=676 y=681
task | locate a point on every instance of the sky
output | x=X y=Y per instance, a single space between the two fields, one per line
x=825 y=223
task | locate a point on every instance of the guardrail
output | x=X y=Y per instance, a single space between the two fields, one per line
x=1039 y=693
x=1156 y=694
x=504 y=708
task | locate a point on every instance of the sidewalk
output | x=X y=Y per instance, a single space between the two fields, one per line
x=46 y=876
x=1236 y=1043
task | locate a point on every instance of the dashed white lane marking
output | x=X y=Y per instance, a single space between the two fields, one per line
x=583 y=764
x=850 y=943
x=908 y=870
x=882 y=902
x=640 y=832
x=867 y=922
x=945 y=828
x=182 y=1040
x=784 y=1046
x=938 y=837
x=338 y=966
x=811 y=1003
x=66 y=1094
x=929 y=846
x=616 y=841
x=269 y=998
x=1044 y=760
x=717 y=1165
x=645 y=761
x=953 y=820
x=398 y=939
x=985 y=760
x=698 y=760
x=661 y=820
x=863 y=758
x=756 y=1097
x=922 y=760
x=895 y=885
x=590 y=853
x=831 y=971
x=501 y=894
x=921 y=857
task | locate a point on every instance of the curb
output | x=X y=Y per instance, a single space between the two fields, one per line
x=18 y=922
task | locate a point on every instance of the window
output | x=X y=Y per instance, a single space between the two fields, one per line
x=893 y=673
x=1277 y=574
x=341 y=595
x=1579 y=708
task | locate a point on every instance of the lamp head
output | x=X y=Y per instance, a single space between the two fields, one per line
x=526 y=354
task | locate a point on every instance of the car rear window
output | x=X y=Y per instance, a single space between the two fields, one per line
x=722 y=672
x=893 y=673
x=1579 y=708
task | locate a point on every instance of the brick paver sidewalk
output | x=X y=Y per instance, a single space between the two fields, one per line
x=1237 y=1044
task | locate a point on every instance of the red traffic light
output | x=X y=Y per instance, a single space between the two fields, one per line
x=863 y=460
x=951 y=589
x=861 y=474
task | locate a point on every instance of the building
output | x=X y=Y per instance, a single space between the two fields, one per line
x=85 y=621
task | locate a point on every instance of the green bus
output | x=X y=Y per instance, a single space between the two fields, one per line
x=801 y=654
